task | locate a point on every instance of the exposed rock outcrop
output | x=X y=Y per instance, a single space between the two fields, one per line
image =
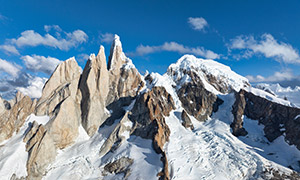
x=121 y=165
x=125 y=80
x=116 y=138
x=187 y=123
x=238 y=112
x=60 y=102
x=149 y=122
x=276 y=118
x=94 y=90
x=12 y=118
x=41 y=151
x=196 y=100
x=62 y=84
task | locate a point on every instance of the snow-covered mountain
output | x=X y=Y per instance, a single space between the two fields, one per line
x=200 y=120
x=288 y=93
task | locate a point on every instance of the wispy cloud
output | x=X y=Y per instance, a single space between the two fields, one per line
x=107 y=37
x=3 y=17
x=37 y=63
x=82 y=57
x=9 y=68
x=176 y=47
x=267 y=46
x=285 y=78
x=48 y=28
x=9 y=49
x=197 y=23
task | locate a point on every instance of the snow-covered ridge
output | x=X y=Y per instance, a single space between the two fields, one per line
x=288 y=93
x=207 y=67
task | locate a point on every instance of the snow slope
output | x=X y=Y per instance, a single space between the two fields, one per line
x=13 y=154
x=210 y=151
x=292 y=94
x=204 y=68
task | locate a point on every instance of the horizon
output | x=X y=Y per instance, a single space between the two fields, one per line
x=261 y=45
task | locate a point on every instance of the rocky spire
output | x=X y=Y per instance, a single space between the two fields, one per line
x=62 y=83
x=94 y=89
x=116 y=57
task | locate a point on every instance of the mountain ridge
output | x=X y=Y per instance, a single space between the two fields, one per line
x=112 y=119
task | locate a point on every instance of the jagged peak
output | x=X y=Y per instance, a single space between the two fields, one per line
x=116 y=56
x=64 y=72
x=116 y=41
x=101 y=50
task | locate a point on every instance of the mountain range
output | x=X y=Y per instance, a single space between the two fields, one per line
x=199 y=120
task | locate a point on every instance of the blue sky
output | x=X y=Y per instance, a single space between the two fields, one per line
x=257 y=39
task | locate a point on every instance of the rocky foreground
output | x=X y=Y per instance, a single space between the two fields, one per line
x=110 y=122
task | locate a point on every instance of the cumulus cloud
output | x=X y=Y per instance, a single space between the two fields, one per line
x=37 y=63
x=32 y=38
x=267 y=46
x=9 y=68
x=285 y=78
x=61 y=40
x=24 y=82
x=197 y=23
x=107 y=37
x=34 y=87
x=9 y=49
x=176 y=47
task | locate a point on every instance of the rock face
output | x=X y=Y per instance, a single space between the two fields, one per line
x=60 y=102
x=187 y=123
x=149 y=122
x=94 y=90
x=125 y=81
x=12 y=118
x=276 y=118
x=62 y=84
x=41 y=151
x=196 y=100
x=238 y=112
x=116 y=138
x=120 y=166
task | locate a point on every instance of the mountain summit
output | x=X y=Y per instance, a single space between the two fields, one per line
x=200 y=120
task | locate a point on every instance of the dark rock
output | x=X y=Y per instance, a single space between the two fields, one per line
x=196 y=100
x=121 y=165
x=149 y=122
x=238 y=112
x=187 y=123
x=272 y=115
x=273 y=174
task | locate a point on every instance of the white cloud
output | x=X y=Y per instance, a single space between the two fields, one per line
x=82 y=57
x=286 y=75
x=40 y=63
x=48 y=28
x=9 y=68
x=9 y=49
x=107 y=37
x=35 y=87
x=32 y=38
x=176 y=47
x=267 y=46
x=197 y=23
